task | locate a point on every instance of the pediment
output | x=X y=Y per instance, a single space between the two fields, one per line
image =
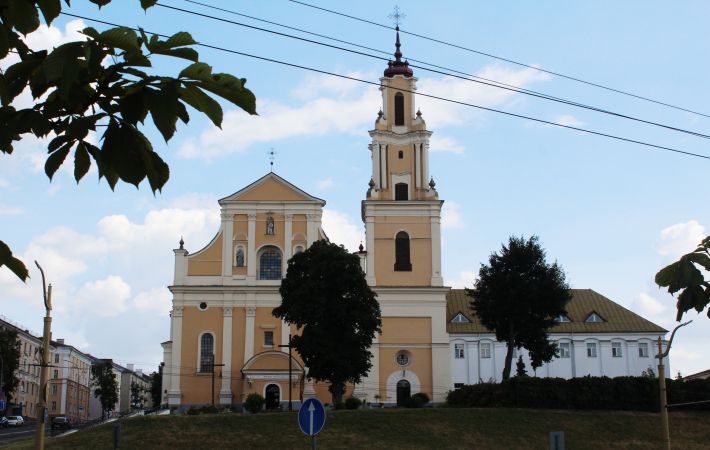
x=271 y=187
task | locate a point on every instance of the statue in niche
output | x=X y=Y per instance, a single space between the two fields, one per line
x=240 y=257
x=270 y=225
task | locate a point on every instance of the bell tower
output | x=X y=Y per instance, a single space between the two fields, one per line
x=402 y=210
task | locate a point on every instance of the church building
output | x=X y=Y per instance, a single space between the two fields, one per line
x=224 y=342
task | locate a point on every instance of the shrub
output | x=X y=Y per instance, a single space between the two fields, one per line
x=253 y=403
x=352 y=403
x=417 y=400
x=339 y=405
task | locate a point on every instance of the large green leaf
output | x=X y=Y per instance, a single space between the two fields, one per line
x=56 y=159
x=700 y=258
x=145 y=4
x=163 y=109
x=81 y=161
x=202 y=102
x=134 y=106
x=119 y=37
x=50 y=9
x=4 y=42
x=12 y=263
x=23 y=15
x=184 y=53
x=231 y=88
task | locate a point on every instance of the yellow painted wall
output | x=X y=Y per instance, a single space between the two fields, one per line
x=208 y=261
x=299 y=225
x=406 y=330
x=261 y=238
x=264 y=317
x=420 y=365
x=198 y=389
x=419 y=230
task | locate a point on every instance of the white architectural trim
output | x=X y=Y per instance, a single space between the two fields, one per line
x=415 y=385
x=225 y=393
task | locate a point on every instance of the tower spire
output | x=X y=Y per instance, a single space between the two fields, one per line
x=398 y=67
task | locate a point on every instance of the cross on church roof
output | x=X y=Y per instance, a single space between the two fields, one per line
x=397 y=16
x=272 y=156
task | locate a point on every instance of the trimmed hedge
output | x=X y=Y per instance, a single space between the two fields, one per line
x=621 y=393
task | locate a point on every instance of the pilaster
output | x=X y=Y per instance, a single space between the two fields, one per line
x=225 y=393
x=249 y=333
x=251 y=248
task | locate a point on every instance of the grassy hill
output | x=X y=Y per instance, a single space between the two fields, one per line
x=396 y=428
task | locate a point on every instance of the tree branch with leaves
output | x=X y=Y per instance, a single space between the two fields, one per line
x=77 y=90
x=685 y=276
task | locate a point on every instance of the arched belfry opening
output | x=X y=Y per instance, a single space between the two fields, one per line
x=402 y=260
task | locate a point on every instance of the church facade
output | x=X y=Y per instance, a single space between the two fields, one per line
x=224 y=342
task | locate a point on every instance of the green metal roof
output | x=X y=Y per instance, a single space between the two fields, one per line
x=617 y=319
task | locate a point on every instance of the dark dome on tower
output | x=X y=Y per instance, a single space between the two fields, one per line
x=398 y=67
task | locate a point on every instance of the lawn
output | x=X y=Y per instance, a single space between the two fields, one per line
x=399 y=428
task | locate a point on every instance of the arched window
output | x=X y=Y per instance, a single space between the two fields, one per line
x=401 y=252
x=399 y=108
x=270 y=264
x=270 y=225
x=207 y=353
x=239 y=258
x=401 y=191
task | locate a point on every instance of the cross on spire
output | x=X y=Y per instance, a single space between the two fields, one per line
x=272 y=156
x=397 y=16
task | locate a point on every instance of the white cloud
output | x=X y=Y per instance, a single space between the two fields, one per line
x=451 y=215
x=681 y=238
x=464 y=279
x=101 y=298
x=317 y=85
x=156 y=300
x=342 y=229
x=445 y=144
x=648 y=307
x=330 y=105
x=4 y=183
x=325 y=183
x=10 y=211
x=568 y=120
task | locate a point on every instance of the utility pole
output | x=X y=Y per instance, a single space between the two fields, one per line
x=662 y=385
x=44 y=363
x=213 y=366
x=290 y=369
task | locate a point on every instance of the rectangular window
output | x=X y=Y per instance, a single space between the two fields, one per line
x=564 y=349
x=56 y=358
x=485 y=350
x=268 y=338
x=591 y=350
x=458 y=386
x=458 y=351
x=643 y=350
x=54 y=389
x=616 y=349
x=54 y=406
x=55 y=374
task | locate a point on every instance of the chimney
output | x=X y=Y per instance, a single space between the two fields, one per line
x=139 y=372
x=129 y=367
x=60 y=341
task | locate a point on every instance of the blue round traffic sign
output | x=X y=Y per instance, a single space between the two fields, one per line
x=311 y=417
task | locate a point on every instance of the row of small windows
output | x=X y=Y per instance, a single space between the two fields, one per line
x=562 y=318
x=564 y=350
x=267 y=259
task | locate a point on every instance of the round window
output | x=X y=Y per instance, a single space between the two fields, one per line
x=402 y=358
x=203 y=306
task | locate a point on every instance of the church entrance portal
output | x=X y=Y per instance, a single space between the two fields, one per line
x=403 y=392
x=272 y=396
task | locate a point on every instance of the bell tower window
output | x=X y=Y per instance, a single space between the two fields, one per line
x=401 y=253
x=401 y=191
x=399 y=108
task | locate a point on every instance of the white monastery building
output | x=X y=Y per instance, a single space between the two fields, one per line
x=225 y=344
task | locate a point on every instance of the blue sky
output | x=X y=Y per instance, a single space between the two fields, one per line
x=611 y=213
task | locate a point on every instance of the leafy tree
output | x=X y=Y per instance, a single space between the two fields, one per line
x=10 y=355
x=685 y=276
x=518 y=295
x=77 y=91
x=136 y=395
x=325 y=294
x=105 y=384
x=156 y=386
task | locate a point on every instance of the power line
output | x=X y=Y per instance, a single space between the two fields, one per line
x=467 y=77
x=490 y=55
x=484 y=108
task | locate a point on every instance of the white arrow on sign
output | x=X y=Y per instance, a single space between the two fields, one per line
x=311 y=408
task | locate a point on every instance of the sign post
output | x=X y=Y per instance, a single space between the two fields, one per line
x=311 y=418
